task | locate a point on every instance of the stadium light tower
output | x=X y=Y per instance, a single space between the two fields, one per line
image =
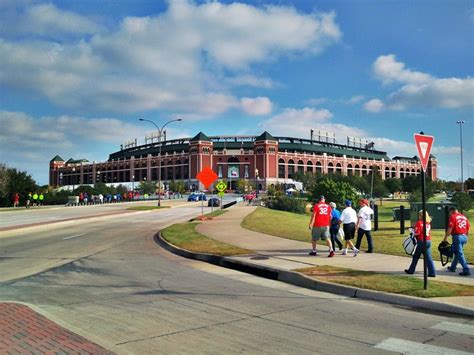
x=160 y=133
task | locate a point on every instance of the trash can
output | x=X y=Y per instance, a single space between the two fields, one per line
x=436 y=210
x=396 y=213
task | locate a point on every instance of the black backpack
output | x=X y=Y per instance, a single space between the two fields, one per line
x=446 y=250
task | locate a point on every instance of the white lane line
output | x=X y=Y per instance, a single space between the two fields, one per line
x=74 y=236
x=455 y=327
x=411 y=347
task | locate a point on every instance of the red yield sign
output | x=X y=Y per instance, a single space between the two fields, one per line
x=424 y=145
x=207 y=176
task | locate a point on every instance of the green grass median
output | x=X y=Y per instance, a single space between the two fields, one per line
x=405 y=285
x=387 y=240
x=184 y=235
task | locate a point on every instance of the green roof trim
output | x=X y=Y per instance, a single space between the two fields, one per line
x=265 y=136
x=200 y=137
x=56 y=158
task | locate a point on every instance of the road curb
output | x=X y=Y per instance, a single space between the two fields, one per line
x=301 y=280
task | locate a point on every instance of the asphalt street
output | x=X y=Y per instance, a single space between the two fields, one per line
x=107 y=280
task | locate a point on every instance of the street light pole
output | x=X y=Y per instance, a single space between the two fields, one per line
x=73 y=179
x=160 y=133
x=460 y=123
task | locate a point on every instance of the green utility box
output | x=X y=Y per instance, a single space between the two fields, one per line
x=396 y=213
x=436 y=210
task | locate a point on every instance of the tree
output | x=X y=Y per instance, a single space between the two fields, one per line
x=393 y=185
x=245 y=185
x=334 y=191
x=411 y=183
x=463 y=200
x=146 y=187
x=178 y=187
x=15 y=181
x=469 y=183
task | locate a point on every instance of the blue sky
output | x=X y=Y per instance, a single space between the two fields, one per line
x=75 y=76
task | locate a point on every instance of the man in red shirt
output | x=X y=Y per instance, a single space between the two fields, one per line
x=458 y=227
x=319 y=225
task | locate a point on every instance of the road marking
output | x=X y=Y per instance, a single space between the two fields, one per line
x=411 y=347
x=455 y=327
x=74 y=236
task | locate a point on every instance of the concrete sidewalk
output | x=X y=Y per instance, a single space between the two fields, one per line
x=286 y=254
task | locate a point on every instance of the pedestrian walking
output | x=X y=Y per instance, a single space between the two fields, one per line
x=35 y=199
x=458 y=228
x=364 y=225
x=41 y=199
x=418 y=232
x=86 y=198
x=81 y=198
x=319 y=225
x=28 y=199
x=348 y=220
x=334 y=230
x=16 y=200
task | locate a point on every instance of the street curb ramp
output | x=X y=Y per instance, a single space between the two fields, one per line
x=298 y=279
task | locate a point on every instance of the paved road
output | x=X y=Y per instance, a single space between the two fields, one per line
x=110 y=283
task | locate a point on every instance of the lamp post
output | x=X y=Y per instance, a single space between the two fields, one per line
x=460 y=123
x=160 y=133
x=73 y=179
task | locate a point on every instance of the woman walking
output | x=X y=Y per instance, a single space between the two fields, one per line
x=418 y=231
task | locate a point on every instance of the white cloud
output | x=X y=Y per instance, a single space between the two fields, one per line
x=355 y=99
x=298 y=123
x=258 y=106
x=186 y=59
x=419 y=89
x=28 y=143
x=389 y=70
x=251 y=80
x=317 y=101
x=44 y=20
x=374 y=105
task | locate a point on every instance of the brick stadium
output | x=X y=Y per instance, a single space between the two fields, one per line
x=274 y=159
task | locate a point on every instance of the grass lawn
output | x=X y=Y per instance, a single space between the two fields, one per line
x=405 y=285
x=184 y=235
x=146 y=208
x=387 y=239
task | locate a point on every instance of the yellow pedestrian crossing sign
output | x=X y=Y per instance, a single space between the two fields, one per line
x=221 y=187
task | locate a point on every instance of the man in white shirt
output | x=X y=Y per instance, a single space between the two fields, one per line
x=364 y=225
x=348 y=220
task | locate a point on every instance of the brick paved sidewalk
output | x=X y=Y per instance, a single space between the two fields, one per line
x=23 y=330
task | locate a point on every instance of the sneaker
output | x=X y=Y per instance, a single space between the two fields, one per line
x=331 y=254
x=449 y=268
x=465 y=273
x=344 y=252
x=408 y=272
x=431 y=275
x=356 y=251
x=313 y=253
x=369 y=251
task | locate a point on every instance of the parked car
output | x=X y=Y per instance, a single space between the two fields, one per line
x=214 y=202
x=197 y=197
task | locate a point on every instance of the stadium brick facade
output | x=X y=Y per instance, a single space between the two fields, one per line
x=274 y=159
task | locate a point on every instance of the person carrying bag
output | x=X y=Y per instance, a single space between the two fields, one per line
x=418 y=232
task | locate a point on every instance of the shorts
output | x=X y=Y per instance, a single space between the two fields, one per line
x=349 y=231
x=318 y=233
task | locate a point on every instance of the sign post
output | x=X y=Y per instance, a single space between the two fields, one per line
x=424 y=145
x=206 y=176
x=221 y=187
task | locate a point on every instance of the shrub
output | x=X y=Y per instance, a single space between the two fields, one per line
x=289 y=204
